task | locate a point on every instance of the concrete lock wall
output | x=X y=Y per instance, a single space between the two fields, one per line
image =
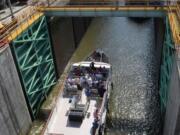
x=172 y=116
x=171 y=125
x=14 y=115
x=66 y=34
x=80 y=26
x=159 y=26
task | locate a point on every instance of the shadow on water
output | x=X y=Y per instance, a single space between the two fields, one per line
x=139 y=20
x=62 y=40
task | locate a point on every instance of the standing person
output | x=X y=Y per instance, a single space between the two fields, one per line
x=82 y=81
x=95 y=126
x=96 y=114
x=92 y=66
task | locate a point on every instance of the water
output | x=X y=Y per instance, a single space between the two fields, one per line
x=134 y=105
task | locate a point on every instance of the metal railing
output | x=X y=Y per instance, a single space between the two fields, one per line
x=174 y=19
x=13 y=24
x=75 y=3
x=55 y=107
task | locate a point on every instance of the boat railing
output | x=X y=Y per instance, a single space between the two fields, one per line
x=55 y=108
x=174 y=20
x=103 y=105
x=51 y=116
x=119 y=3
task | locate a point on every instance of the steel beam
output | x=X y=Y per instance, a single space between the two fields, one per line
x=99 y=13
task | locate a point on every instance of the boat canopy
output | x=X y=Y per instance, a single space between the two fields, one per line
x=96 y=64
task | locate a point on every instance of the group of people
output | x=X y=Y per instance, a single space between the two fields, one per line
x=88 y=78
x=92 y=71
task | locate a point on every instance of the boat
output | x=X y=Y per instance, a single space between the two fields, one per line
x=82 y=107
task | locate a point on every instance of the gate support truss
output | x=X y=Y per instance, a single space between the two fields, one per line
x=166 y=66
x=33 y=55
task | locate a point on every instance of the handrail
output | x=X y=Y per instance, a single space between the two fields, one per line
x=134 y=1
x=103 y=3
x=174 y=20
x=54 y=108
x=14 y=24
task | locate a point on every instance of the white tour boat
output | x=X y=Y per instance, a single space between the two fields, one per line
x=82 y=107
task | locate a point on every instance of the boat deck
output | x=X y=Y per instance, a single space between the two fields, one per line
x=59 y=124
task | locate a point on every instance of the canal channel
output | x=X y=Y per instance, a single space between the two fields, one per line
x=134 y=107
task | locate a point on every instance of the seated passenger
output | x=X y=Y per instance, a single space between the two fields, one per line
x=77 y=71
x=95 y=126
x=71 y=87
x=101 y=91
x=72 y=81
x=79 y=86
x=100 y=69
x=95 y=84
x=89 y=81
x=99 y=76
x=82 y=81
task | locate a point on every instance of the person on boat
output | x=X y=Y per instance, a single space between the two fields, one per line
x=82 y=81
x=104 y=72
x=79 y=86
x=89 y=81
x=97 y=55
x=92 y=67
x=100 y=69
x=77 y=71
x=88 y=93
x=95 y=114
x=101 y=90
x=95 y=126
x=72 y=81
x=99 y=76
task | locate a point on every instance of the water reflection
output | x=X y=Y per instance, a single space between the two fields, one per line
x=134 y=105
